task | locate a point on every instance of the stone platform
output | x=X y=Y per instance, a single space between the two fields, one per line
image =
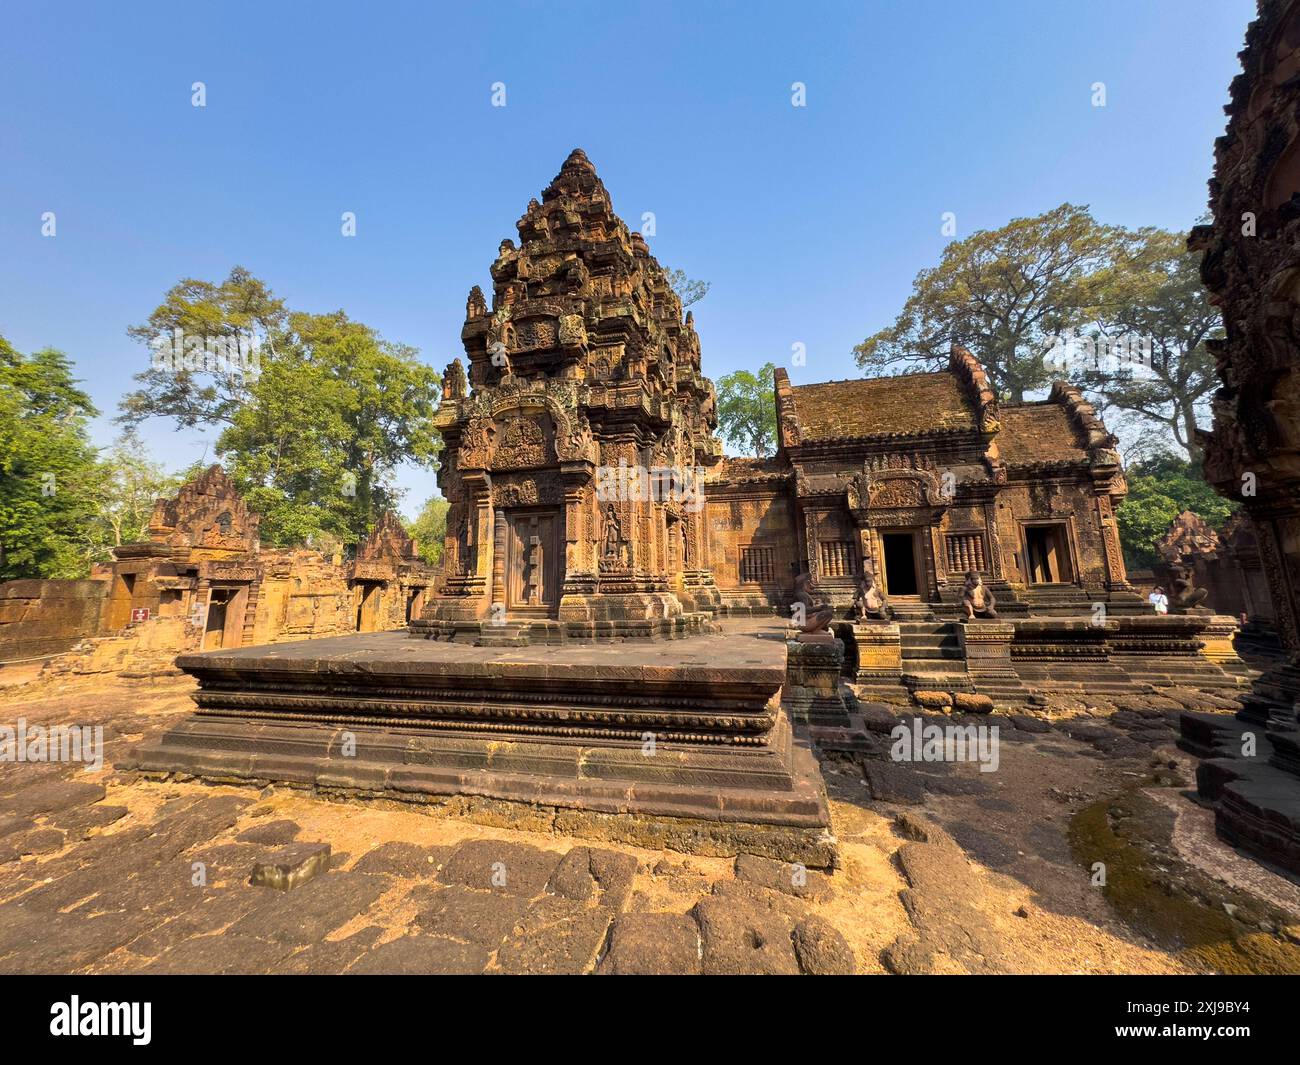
x=680 y=744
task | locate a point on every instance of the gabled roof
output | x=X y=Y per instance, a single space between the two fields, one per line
x=907 y=405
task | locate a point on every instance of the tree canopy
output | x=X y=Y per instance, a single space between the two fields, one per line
x=747 y=410
x=1159 y=489
x=48 y=468
x=313 y=437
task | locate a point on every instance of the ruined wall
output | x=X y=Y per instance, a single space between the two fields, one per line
x=40 y=618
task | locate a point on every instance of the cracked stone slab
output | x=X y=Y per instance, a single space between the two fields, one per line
x=556 y=936
x=481 y=917
x=653 y=944
x=492 y=865
x=273 y=833
x=595 y=874
x=422 y=955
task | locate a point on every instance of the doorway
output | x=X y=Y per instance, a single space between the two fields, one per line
x=368 y=601
x=214 y=629
x=533 y=552
x=1047 y=554
x=900 y=563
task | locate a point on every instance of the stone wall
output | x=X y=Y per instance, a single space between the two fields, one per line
x=40 y=618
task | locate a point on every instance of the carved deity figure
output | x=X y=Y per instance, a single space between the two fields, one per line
x=1185 y=597
x=817 y=612
x=870 y=603
x=977 y=600
x=612 y=551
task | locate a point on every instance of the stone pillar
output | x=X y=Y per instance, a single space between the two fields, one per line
x=879 y=651
x=986 y=646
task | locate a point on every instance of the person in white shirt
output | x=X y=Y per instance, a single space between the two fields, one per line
x=1159 y=600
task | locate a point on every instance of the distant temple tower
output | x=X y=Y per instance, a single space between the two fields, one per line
x=576 y=446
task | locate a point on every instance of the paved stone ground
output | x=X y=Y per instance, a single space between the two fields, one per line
x=944 y=869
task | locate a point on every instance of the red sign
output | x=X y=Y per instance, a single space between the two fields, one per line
x=140 y=614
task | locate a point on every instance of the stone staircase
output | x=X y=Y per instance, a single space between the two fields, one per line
x=931 y=656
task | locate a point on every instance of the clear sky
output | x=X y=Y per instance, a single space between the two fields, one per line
x=810 y=223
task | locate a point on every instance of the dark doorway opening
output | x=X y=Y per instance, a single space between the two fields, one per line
x=1047 y=548
x=215 y=629
x=900 y=564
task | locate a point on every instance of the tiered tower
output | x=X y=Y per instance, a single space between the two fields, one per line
x=577 y=444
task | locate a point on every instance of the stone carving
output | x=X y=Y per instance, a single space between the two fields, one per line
x=977 y=599
x=1184 y=596
x=870 y=603
x=454 y=384
x=521 y=445
x=817 y=613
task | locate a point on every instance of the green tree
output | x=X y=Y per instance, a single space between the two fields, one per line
x=240 y=311
x=1004 y=294
x=48 y=468
x=313 y=438
x=429 y=529
x=688 y=289
x=129 y=482
x=1159 y=313
x=747 y=410
x=1159 y=489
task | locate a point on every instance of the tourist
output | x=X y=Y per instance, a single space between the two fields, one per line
x=1159 y=600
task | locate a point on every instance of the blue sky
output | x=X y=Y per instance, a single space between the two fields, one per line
x=810 y=223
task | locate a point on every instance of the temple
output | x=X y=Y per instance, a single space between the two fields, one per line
x=1250 y=264
x=578 y=444
x=911 y=537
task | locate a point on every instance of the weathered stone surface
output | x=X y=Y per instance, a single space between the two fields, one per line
x=48 y=796
x=329 y=956
x=482 y=917
x=40 y=841
x=791 y=878
x=744 y=938
x=493 y=865
x=223 y=955
x=403 y=859
x=821 y=950
x=590 y=873
x=310 y=913
x=894 y=783
x=82 y=820
x=555 y=936
x=273 y=833
x=653 y=944
x=291 y=866
x=422 y=955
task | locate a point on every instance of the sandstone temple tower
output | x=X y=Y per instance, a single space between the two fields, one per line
x=578 y=443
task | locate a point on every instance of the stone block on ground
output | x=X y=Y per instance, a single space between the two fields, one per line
x=744 y=939
x=481 y=917
x=291 y=866
x=596 y=875
x=273 y=833
x=821 y=950
x=653 y=944
x=492 y=865
x=402 y=859
x=310 y=913
x=555 y=936
x=791 y=878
